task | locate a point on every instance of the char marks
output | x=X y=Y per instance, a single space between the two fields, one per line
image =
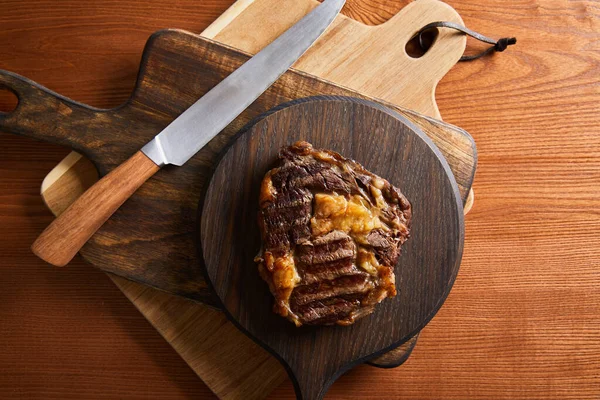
x=344 y=245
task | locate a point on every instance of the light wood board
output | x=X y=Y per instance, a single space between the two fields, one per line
x=347 y=56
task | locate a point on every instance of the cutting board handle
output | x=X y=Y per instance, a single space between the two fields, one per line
x=20 y=87
x=43 y=114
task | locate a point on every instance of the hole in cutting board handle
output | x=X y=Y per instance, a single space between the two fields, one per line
x=8 y=100
x=414 y=49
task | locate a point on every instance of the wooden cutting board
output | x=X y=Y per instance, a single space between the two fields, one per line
x=241 y=369
x=387 y=145
x=151 y=238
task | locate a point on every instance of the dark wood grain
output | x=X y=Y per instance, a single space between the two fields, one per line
x=387 y=145
x=150 y=239
x=519 y=324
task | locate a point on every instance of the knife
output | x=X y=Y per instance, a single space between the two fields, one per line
x=183 y=138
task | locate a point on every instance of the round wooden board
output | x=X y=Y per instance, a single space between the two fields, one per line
x=387 y=145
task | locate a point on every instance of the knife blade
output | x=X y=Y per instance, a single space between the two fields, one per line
x=183 y=138
x=179 y=141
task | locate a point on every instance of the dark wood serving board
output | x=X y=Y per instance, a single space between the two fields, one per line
x=150 y=239
x=386 y=144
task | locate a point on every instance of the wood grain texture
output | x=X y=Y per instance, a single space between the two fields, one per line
x=76 y=173
x=518 y=324
x=387 y=145
x=231 y=364
x=373 y=12
x=458 y=147
x=258 y=30
x=150 y=238
x=69 y=334
x=67 y=234
x=67 y=180
x=347 y=47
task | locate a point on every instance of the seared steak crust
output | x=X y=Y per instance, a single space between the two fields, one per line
x=331 y=234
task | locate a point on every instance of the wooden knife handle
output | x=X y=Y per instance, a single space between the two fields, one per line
x=60 y=241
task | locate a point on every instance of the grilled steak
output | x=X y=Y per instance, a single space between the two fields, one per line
x=331 y=234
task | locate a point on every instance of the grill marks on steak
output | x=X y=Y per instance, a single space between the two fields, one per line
x=324 y=249
x=287 y=219
x=331 y=233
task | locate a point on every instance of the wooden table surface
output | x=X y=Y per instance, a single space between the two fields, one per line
x=523 y=319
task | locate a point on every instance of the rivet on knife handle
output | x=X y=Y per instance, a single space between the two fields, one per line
x=184 y=137
x=59 y=243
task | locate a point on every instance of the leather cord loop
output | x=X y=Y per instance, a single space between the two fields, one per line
x=498 y=45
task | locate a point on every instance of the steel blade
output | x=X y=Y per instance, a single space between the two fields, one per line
x=193 y=129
